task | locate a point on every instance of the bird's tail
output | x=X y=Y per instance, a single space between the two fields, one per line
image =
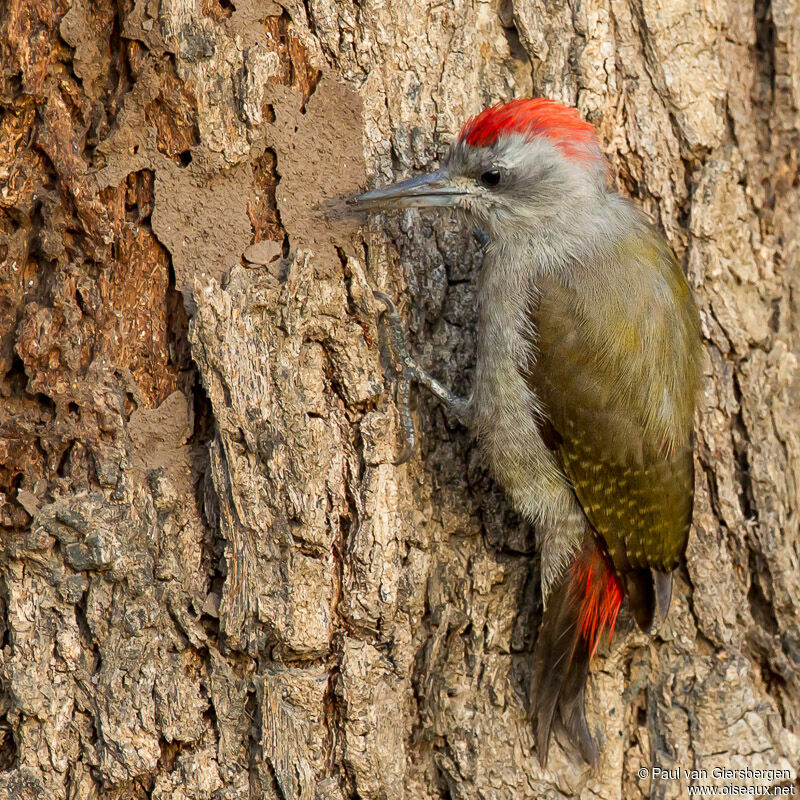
x=581 y=607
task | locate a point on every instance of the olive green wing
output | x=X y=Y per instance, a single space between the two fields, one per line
x=618 y=389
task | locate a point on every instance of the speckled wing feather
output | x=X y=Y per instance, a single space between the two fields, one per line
x=618 y=388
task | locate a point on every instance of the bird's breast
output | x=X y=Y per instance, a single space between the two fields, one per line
x=507 y=412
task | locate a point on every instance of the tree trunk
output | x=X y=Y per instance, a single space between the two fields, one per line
x=216 y=580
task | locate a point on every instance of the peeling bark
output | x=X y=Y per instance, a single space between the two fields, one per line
x=215 y=580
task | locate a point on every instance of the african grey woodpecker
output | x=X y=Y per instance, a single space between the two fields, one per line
x=587 y=374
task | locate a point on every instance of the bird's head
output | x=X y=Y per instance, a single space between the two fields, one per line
x=513 y=167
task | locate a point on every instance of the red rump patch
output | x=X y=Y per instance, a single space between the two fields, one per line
x=538 y=116
x=600 y=596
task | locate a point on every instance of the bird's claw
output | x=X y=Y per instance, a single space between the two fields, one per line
x=480 y=235
x=386 y=300
x=397 y=337
x=459 y=407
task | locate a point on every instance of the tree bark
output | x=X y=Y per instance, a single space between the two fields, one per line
x=216 y=580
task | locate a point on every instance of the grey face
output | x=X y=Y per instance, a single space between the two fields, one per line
x=507 y=188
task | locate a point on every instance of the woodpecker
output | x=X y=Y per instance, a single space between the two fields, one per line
x=587 y=374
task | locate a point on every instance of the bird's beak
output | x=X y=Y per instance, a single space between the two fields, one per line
x=434 y=189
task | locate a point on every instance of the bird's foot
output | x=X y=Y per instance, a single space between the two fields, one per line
x=481 y=237
x=410 y=370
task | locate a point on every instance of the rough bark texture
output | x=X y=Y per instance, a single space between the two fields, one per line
x=215 y=581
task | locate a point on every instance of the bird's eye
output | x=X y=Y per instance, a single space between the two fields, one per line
x=490 y=178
